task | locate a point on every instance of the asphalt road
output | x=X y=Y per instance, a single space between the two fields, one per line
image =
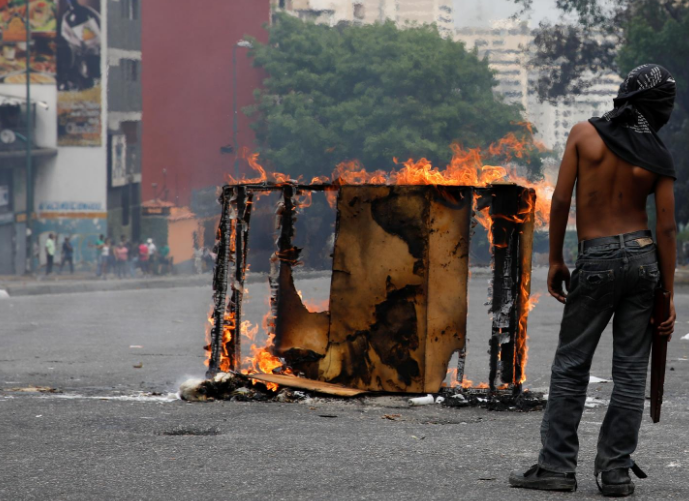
x=104 y=437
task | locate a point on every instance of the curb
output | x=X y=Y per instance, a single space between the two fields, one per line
x=81 y=286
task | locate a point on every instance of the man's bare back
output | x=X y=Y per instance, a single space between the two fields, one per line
x=611 y=200
x=610 y=193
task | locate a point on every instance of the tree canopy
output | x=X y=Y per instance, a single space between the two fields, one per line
x=619 y=37
x=371 y=93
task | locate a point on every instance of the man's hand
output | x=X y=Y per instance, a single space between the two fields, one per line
x=668 y=327
x=557 y=274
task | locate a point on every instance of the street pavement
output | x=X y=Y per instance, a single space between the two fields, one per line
x=107 y=437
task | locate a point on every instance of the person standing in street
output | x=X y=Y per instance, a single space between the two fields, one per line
x=165 y=259
x=49 y=253
x=99 y=254
x=143 y=258
x=67 y=255
x=152 y=257
x=105 y=258
x=121 y=255
x=615 y=162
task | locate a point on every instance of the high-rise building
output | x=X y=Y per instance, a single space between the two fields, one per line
x=402 y=12
x=508 y=45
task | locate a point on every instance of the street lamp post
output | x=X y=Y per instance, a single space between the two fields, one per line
x=245 y=44
x=29 y=140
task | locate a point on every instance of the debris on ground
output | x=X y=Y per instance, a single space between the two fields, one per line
x=497 y=400
x=34 y=389
x=427 y=400
x=594 y=380
x=594 y=402
x=391 y=417
x=251 y=388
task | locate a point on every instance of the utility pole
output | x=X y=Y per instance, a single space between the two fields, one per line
x=235 y=124
x=29 y=141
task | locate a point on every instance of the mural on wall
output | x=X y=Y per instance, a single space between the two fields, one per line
x=43 y=23
x=79 y=73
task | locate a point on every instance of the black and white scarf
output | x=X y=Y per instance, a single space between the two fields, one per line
x=643 y=105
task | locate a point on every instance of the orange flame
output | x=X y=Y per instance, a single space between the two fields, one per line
x=522 y=347
x=468 y=167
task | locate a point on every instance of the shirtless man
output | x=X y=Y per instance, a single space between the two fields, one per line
x=615 y=162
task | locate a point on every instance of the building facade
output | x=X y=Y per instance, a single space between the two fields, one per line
x=402 y=12
x=124 y=119
x=508 y=45
x=63 y=190
x=196 y=83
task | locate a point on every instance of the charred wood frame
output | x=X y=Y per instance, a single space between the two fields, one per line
x=398 y=297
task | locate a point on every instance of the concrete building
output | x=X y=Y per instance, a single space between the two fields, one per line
x=86 y=129
x=196 y=82
x=124 y=118
x=402 y=12
x=508 y=45
x=67 y=182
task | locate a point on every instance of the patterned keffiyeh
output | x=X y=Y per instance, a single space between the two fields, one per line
x=643 y=105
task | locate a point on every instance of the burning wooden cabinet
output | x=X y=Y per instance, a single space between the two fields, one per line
x=398 y=295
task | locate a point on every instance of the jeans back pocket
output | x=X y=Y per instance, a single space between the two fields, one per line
x=649 y=279
x=597 y=289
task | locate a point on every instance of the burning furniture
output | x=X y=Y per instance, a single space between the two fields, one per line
x=398 y=295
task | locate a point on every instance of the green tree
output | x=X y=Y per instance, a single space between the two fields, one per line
x=619 y=38
x=371 y=93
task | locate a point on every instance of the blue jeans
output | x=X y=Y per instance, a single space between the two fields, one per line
x=613 y=276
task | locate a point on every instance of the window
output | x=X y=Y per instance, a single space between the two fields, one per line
x=130 y=9
x=131 y=69
x=359 y=11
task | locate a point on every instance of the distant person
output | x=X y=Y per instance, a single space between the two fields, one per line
x=198 y=260
x=685 y=253
x=121 y=256
x=132 y=256
x=99 y=251
x=164 y=255
x=143 y=258
x=49 y=253
x=152 y=257
x=614 y=163
x=67 y=255
x=105 y=258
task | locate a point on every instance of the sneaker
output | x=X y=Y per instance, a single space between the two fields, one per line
x=544 y=480
x=618 y=483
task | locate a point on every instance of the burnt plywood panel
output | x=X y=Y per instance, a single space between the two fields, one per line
x=301 y=336
x=308 y=384
x=448 y=272
x=378 y=289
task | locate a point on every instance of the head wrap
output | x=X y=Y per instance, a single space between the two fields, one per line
x=643 y=105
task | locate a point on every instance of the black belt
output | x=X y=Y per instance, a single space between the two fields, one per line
x=619 y=240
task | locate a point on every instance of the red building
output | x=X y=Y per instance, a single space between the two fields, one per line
x=188 y=144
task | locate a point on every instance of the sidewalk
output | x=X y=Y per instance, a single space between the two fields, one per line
x=15 y=285
x=87 y=282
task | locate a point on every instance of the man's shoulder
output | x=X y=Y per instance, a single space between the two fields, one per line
x=588 y=142
x=583 y=130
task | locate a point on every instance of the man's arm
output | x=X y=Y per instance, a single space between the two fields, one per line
x=559 y=214
x=666 y=234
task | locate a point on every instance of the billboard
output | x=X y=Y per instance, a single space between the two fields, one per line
x=118 y=155
x=13 y=48
x=79 y=73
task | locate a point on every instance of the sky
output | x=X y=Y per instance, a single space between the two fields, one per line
x=481 y=12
